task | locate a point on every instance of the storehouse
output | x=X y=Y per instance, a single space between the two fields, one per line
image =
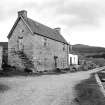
x=3 y=53
x=36 y=46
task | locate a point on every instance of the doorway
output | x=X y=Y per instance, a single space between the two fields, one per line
x=55 y=61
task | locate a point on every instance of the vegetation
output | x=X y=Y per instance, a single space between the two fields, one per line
x=88 y=93
x=90 y=53
x=3 y=88
x=9 y=71
x=80 y=48
x=101 y=75
x=27 y=62
x=98 y=61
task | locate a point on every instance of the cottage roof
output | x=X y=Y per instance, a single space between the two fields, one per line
x=45 y=31
x=40 y=29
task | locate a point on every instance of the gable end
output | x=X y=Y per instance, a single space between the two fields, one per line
x=15 y=24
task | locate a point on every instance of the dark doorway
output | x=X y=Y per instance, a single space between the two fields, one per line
x=55 y=60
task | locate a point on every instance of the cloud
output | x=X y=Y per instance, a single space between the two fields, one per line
x=77 y=12
x=70 y=15
x=9 y=9
x=84 y=12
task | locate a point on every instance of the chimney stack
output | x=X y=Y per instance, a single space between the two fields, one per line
x=22 y=13
x=58 y=29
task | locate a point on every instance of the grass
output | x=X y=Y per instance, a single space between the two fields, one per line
x=88 y=93
x=17 y=73
x=3 y=88
x=101 y=75
x=12 y=73
x=98 y=61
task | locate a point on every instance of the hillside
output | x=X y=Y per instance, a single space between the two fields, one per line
x=89 y=51
x=80 y=48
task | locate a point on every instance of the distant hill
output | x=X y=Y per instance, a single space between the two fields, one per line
x=89 y=51
x=80 y=48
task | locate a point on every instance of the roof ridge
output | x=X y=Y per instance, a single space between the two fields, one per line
x=39 y=23
x=40 y=29
x=43 y=25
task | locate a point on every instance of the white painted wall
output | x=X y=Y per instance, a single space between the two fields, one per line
x=73 y=59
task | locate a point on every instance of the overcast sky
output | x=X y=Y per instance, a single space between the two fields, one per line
x=81 y=21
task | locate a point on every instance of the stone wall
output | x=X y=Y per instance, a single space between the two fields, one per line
x=13 y=44
x=42 y=51
x=1 y=55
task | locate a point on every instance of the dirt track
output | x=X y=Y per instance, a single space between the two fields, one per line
x=42 y=90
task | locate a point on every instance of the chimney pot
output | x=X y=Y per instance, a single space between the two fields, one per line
x=22 y=13
x=58 y=29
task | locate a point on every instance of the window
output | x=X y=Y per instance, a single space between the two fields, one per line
x=45 y=41
x=63 y=47
x=22 y=31
x=20 y=43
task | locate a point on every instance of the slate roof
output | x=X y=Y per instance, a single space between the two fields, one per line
x=40 y=29
x=43 y=30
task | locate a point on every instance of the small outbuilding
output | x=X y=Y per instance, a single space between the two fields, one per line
x=73 y=59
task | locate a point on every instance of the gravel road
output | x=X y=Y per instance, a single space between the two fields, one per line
x=42 y=90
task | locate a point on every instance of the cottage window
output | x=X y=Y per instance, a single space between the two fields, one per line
x=64 y=47
x=20 y=43
x=45 y=41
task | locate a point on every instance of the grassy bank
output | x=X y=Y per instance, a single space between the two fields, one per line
x=3 y=88
x=101 y=75
x=88 y=93
x=12 y=73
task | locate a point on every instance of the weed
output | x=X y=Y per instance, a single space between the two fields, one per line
x=88 y=93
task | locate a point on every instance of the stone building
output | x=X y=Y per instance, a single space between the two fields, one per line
x=36 y=46
x=3 y=53
x=1 y=56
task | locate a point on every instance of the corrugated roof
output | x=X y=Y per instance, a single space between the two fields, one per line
x=44 y=30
